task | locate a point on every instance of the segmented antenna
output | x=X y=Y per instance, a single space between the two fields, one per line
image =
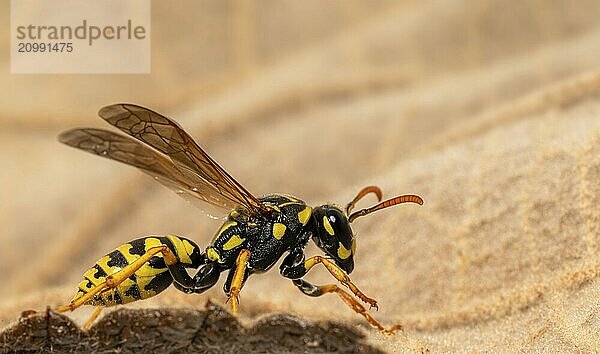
x=408 y=198
x=369 y=189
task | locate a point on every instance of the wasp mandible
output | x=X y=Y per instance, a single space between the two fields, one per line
x=255 y=235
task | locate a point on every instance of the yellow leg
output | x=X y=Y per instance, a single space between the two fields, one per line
x=92 y=318
x=342 y=277
x=113 y=280
x=238 y=279
x=358 y=308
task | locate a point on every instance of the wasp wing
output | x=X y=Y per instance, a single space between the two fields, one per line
x=166 y=136
x=125 y=149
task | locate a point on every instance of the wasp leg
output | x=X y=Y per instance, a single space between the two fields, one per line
x=113 y=280
x=294 y=267
x=229 y=281
x=314 y=290
x=182 y=288
x=206 y=277
x=237 y=279
x=92 y=318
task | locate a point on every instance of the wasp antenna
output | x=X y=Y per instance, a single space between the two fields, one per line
x=408 y=198
x=369 y=189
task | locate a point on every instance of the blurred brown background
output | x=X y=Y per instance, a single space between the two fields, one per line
x=489 y=110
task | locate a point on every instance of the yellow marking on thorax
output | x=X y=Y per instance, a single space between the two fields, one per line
x=180 y=249
x=288 y=197
x=343 y=252
x=233 y=242
x=274 y=207
x=234 y=214
x=213 y=255
x=304 y=215
x=225 y=226
x=289 y=203
x=327 y=226
x=278 y=230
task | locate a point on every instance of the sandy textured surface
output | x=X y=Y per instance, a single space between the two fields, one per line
x=490 y=112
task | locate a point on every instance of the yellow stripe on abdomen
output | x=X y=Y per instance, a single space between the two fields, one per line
x=181 y=249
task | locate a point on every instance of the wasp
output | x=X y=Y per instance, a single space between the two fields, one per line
x=256 y=233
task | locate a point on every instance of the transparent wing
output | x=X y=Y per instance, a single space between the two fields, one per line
x=166 y=136
x=131 y=152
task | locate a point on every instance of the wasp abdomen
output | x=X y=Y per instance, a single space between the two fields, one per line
x=150 y=279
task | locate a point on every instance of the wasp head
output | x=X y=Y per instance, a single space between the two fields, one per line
x=334 y=235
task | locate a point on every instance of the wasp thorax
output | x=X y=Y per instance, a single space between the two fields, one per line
x=334 y=235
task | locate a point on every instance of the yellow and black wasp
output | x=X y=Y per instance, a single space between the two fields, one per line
x=255 y=235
